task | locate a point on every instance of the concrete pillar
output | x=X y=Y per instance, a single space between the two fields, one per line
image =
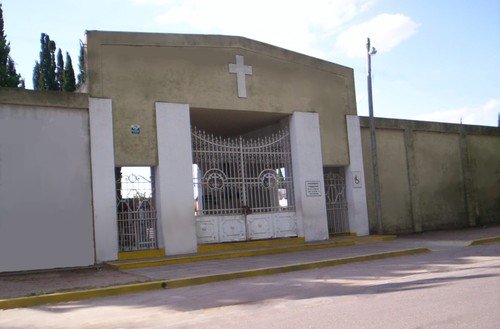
x=308 y=180
x=412 y=179
x=357 y=210
x=174 y=181
x=469 y=191
x=103 y=179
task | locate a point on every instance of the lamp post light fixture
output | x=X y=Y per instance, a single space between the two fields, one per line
x=376 y=183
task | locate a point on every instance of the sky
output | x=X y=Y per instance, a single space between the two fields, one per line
x=437 y=60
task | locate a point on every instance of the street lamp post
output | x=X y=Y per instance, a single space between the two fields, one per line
x=376 y=183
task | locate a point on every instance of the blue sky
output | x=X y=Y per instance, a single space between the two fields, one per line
x=437 y=60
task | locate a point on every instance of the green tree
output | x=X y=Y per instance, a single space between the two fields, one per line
x=81 y=66
x=36 y=76
x=59 y=70
x=52 y=72
x=8 y=74
x=47 y=65
x=69 y=75
x=52 y=67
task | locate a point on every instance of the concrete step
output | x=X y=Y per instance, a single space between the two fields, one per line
x=246 y=249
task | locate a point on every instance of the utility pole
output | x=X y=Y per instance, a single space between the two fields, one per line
x=376 y=183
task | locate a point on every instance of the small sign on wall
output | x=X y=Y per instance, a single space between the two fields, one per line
x=357 y=179
x=135 y=129
x=313 y=188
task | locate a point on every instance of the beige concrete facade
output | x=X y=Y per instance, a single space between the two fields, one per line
x=433 y=175
x=136 y=70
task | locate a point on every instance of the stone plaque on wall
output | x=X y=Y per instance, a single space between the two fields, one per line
x=313 y=188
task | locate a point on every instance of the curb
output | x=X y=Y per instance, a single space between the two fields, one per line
x=477 y=242
x=183 y=282
x=177 y=283
x=226 y=255
x=376 y=238
x=252 y=244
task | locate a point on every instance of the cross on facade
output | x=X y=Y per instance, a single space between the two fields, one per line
x=241 y=71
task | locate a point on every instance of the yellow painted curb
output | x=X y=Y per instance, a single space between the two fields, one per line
x=494 y=239
x=78 y=295
x=351 y=234
x=228 y=255
x=378 y=238
x=152 y=253
x=176 y=283
x=208 y=248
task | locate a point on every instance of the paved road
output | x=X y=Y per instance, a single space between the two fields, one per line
x=454 y=287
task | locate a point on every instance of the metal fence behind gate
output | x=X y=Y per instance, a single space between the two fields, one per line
x=136 y=213
x=336 y=204
x=242 y=175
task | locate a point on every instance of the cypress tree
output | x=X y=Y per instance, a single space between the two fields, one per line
x=8 y=74
x=81 y=66
x=59 y=70
x=47 y=65
x=69 y=75
x=11 y=68
x=4 y=45
x=36 y=76
x=52 y=72
x=44 y=64
x=52 y=67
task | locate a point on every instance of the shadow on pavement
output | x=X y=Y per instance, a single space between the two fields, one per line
x=397 y=274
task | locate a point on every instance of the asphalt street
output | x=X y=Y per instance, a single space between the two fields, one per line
x=453 y=287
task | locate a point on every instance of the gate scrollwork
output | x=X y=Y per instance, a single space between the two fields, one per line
x=215 y=179
x=229 y=173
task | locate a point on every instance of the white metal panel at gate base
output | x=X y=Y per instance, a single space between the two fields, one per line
x=272 y=225
x=207 y=229
x=214 y=229
x=231 y=228
x=260 y=226
x=285 y=225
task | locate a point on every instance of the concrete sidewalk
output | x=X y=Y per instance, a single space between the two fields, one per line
x=25 y=289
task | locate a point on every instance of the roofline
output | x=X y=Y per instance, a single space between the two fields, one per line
x=210 y=40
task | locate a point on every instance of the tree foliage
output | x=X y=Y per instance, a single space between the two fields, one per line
x=46 y=77
x=69 y=83
x=8 y=74
x=36 y=76
x=51 y=71
x=81 y=66
x=59 y=70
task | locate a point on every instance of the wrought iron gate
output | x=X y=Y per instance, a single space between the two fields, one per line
x=336 y=204
x=242 y=176
x=136 y=213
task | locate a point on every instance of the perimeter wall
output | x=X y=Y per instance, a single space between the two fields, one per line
x=433 y=175
x=45 y=181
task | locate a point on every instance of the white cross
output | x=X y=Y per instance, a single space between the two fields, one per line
x=241 y=71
